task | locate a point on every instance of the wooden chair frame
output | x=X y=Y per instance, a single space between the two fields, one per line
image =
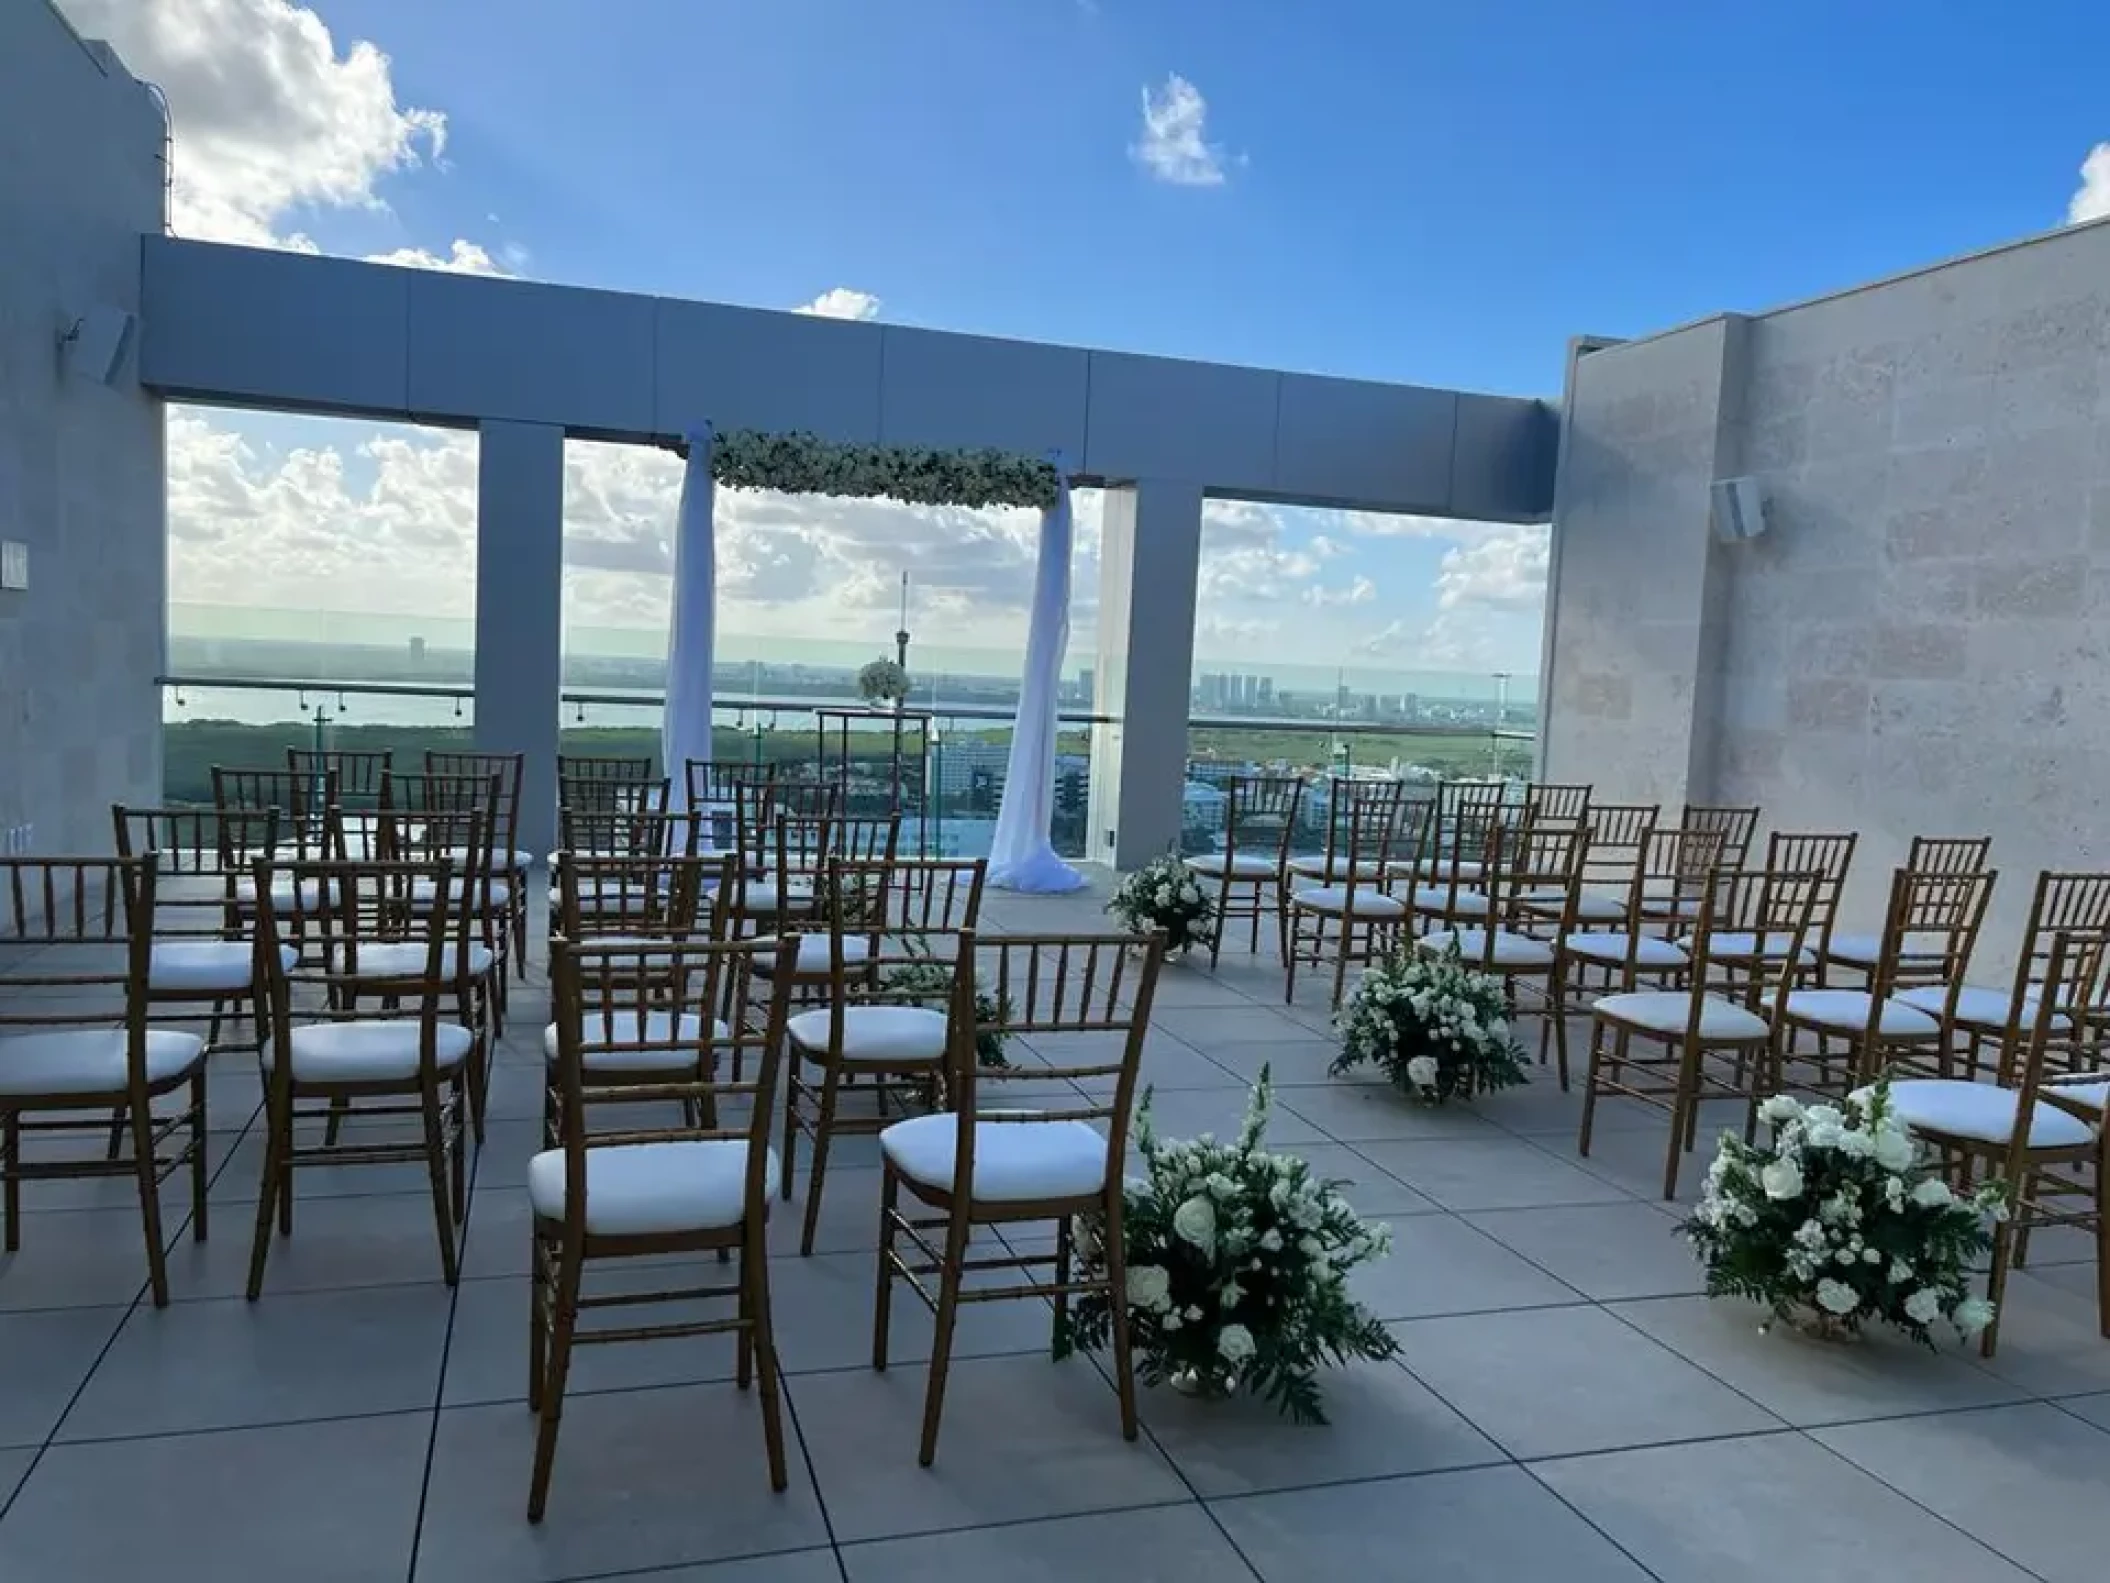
x=1550 y=803
x=1272 y=802
x=1052 y=985
x=1674 y=909
x=1630 y=953
x=1367 y=921
x=1922 y=961
x=1750 y=967
x=508 y=858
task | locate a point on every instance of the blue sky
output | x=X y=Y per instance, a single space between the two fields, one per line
x=1403 y=191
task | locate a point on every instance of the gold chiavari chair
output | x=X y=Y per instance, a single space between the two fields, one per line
x=1015 y=1163
x=1347 y=797
x=715 y=784
x=1461 y=814
x=1260 y=821
x=2039 y=1128
x=489 y=893
x=798 y=881
x=304 y=805
x=1522 y=861
x=1674 y=908
x=509 y=861
x=613 y=784
x=76 y=1043
x=1628 y=954
x=605 y=1195
x=1548 y=803
x=1749 y=961
x=375 y=1032
x=1846 y=955
x=889 y=920
x=1695 y=1027
x=597 y=832
x=1620 y=835
x=1933 y=916
x=778 y=883
x=613 y=901
x=1354 y=919
x=357 y=775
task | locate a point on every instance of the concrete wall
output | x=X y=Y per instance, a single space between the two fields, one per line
x=81 y=463
x=1918 y=644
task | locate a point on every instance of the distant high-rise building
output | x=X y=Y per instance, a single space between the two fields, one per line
x=417 y=652
x=1087 y=684
x=1266 y=694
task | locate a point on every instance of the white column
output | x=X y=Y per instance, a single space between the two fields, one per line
x=1149 y=555
x=520 y=609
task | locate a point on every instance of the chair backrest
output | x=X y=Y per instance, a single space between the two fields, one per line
x=76 y=942
x=1525 y=859
x=611 y=832
x=303 y=801
x=609 y=785
x=1773 y=906
x=2063 y=903
x=1260 y=812
x=1828 y=855
x=358 y=772
x=204 y=857
x=1674 y=869
x=1949 y=854
x=866 y=838
x=1362 y=821
x=894 y=927
x=1549 y=803
x=1048 y=988
x=1463 y=813
x=2044 y=1042
x=673 y=898
x=510 y=768
x=711 y=781
x=1930 y=928
x=715 y=1008
x=1620 y=837
x=440 y=817
x=1735 y=825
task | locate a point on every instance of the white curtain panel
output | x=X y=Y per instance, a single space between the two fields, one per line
x=685 y=732
x=1021 y=856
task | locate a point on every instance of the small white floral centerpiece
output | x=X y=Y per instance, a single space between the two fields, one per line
x=883 y=682
x=1238 y=1265
x=1433 y=1025
x=1832 y=1223
x=1164 y=894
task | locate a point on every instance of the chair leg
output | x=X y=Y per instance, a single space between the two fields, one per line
x=278 y=1140
x=761 y=1336
x=436 y=1167
x=1117 y=1308
x=1340 y=962
x=2102 y=1247
x=1062 y=1276
x=1223 y=897
x=557 y=1369
x=941 y=1339
x=1684 y=1116
x=1996 y=1283
x=117 y=1132
x=823 y=1132
x=794 y=1089
x=150 y=1201
x=538 y=1321
x=1590 y=1075
x=10 y=1183
x=883 y=1294
x=200 y=1174
x=1557 y=1012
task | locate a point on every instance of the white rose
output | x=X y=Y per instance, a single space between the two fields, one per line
x=1271 y=1241
x=1972 y=1315
x=1894 y=1150
x=1836 y=1297
x=1933 y=1193
x=1778 y=1109
x=1150 y=1288
x=1195 y=1222
x=1235 y=1342
x=1422 y=1071
x=1782 y=1179
x=1923 y=1307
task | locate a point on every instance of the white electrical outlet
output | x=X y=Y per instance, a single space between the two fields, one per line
x=21 y=840
x=14 y=565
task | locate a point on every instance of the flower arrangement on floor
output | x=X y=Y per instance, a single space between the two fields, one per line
x=805 y=464
x=883 y=682
x=928 y=981
x=1238 y=1264
x=1164 y=894
x=1832 y=1223
x=1435 y=1026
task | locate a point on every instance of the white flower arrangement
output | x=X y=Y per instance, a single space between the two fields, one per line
x=1435 y=1026
x=805 y=464
x=1238 y=1264
x=882 y=681
x=1832 y=1223
x=1164 y=894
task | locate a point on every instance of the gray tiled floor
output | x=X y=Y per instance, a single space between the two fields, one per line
x=1566 y=1404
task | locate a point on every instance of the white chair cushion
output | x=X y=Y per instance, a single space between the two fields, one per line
x=1669 y=1010
x=405 y=959
x=650 y=1189
x=1441 y=899
x=1650 y=951
x=1730 y=946
x=2093 y=1095
x=1590 y=907
x=1866 y=950
x=1335 y=900
x=1442 y=869
x=1847 y=1010
x=469 y=893
x=625 y=1026
x=91 y=1061
x=796 y=897
x=187 y=967
x=1242 y=866
x=1511 y=950
x=813 y=961
x=502 y=862
x=1014 y=1161
x=1319 y=868
x=876 y=1035
x=1674 y=907
x=380 y=1051
x=1981 y=1112
x=1976 y=1007
x=282 y=898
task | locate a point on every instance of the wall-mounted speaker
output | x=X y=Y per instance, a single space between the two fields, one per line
x=97 y=343
x=1739 y=510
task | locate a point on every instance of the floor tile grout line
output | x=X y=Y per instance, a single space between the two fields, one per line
x=1950 y=1524
x=439 y=1385
x=813 y=1477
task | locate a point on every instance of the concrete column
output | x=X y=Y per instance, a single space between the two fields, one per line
x=1149 y=555
x=520 y=609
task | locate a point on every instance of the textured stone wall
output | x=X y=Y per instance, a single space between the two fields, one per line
x=1918 y=644
x=81 y=463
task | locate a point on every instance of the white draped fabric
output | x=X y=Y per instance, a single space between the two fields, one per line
x=1021 y=857
x=685 y=732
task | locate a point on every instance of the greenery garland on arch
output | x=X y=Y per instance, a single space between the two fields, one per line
x=805 y=464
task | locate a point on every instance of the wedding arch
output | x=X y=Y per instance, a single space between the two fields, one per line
x=1022 y=855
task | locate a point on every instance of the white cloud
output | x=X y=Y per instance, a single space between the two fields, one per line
x=1175 y=146
x=1361 y=591
x=2091 y=200
x=840 y=302
x=1504 y=571
x=463 y=258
